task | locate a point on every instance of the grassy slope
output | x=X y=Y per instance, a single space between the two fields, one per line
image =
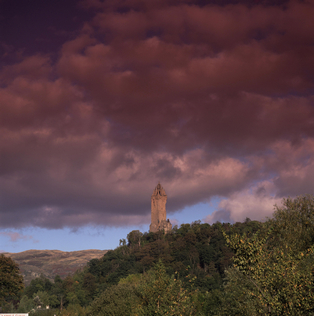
x=52 y=262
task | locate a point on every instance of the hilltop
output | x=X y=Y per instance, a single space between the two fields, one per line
x=50 y=263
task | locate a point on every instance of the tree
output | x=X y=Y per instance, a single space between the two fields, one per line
x=119 y=299
x=72 y=298
x=273 y=280
x=161 y=294
x=26 y=304
x=41 y=298
x=38 y=284
x=89 y=284
x=11 y=281
x=134 y=238
x=293 y=223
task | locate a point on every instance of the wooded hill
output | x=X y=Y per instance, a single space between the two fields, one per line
x=193 y=249
x=248 y=268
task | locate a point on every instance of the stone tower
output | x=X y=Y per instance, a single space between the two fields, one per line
x=158 y=211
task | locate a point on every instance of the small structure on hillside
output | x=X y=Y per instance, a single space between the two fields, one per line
x=158 y=211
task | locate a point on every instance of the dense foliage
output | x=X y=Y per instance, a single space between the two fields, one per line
x=248 y=268
x=11 y=282
x=273 y=269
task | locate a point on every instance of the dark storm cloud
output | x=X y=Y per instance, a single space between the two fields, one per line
x=195 y=84
x=211 y=99
x=33 y=26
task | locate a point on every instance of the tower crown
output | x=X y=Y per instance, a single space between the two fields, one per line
x=159 y=190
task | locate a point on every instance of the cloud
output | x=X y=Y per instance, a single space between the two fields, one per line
x=211 y=100
x=257 y=204
x=63 y=194
x=14 y=236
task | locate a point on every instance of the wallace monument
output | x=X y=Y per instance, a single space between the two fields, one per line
x=158 y=211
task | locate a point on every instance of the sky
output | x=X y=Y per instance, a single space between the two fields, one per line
x=101 y=99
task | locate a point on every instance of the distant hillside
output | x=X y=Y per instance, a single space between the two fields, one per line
x=33 y=263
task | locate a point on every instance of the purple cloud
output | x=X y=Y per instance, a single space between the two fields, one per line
x=211 y=100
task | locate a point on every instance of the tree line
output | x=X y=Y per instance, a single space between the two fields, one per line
x=249 y=268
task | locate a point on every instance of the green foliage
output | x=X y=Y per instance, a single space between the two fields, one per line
x=131 y=279
x=72 y=299
x=26 y=305
x=119 y=299
x=275 y=278
x=161 y=294
x=246 y=269
x=41 y=298
x=134 y=238
x=75 y=310
x=201 y=247
x=38 y=284
x=153 y=293
x=293 y=223
x=11 y=282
